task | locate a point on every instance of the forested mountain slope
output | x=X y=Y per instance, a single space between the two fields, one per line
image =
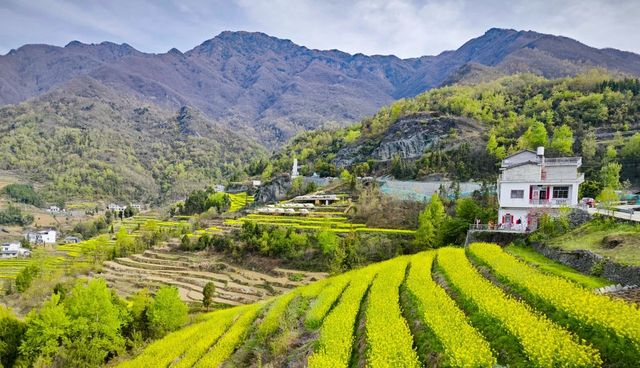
x=463 y=131
x=86 y=140
x=271 y=89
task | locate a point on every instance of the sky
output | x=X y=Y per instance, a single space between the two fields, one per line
x=406 y=28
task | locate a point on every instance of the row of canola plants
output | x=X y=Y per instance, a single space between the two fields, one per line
x=463 y=317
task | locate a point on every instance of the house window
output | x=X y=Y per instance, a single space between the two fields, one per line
x=517 y=194
x=561 y=192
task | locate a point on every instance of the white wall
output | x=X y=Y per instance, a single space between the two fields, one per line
x=516 y=213
x=505 y=195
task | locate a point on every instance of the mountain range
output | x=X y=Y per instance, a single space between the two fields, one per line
x=269 y=89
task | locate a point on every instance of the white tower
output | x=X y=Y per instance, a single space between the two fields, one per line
x=294 y=170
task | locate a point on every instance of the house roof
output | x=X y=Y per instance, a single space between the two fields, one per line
x=523 y=163
x=520 y=152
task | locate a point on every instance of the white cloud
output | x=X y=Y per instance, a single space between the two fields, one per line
x=406 y=28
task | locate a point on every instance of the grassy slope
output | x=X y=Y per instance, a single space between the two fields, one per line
x=547 y=265
x=590 y=236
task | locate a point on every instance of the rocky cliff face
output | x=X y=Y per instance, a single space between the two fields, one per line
x=273 y=191
x=409 y=138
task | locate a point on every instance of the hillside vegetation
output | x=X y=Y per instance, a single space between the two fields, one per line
x=271 y=89
x=593 y=114
x=436 y=308
x=86 y=141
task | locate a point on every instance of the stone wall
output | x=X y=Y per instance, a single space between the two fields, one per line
x=584 y=261
x=501 y=238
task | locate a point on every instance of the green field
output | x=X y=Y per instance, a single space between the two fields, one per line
x=398 y=314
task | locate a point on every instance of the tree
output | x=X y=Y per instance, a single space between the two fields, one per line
x=607 y=197
x=610 y=154
x=46 y=330
x=535 y=136
x=589 y=145
x=125 y=243
x=207 y=294
x=610 y=175
x=96 y=319
x=167 y=312
x=139 y=303
x=492 y=144
x=429 y=223
x=562 y=141
x=25 y=277
x=630 y=158
x=11 y=333
x=267 y=172
x=468 y=210
x=327 y=241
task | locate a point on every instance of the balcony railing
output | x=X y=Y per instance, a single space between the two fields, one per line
x=549 y=202
x=511 y=228
x=559 y=161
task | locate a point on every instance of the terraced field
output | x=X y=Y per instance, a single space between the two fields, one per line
x=320 y=218
x=190 y=272
x=479 y=307
x=85 y=253
x=239 y=201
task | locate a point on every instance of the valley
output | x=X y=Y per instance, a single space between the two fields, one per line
x=252 y=202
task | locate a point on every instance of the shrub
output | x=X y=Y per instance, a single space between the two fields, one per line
x=23 y=193
x=167 y=312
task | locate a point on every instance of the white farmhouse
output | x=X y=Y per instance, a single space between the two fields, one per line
x=116 y=207
x=13 y=250
x=530 y=184
x=41 y=237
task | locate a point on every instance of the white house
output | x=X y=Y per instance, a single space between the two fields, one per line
x=530 y=184
x=54 y=209
x=41 y=237
x=116 y=207
x=13 y=250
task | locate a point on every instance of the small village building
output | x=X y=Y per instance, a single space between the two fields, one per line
x=72 y=240
x=54 y=209
x=41 y=237
x=137 y=207
x=317 y=199
x=13 y=250
x=530 y=185
x=256 y=183
x=218 y=188
x=116 y=207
